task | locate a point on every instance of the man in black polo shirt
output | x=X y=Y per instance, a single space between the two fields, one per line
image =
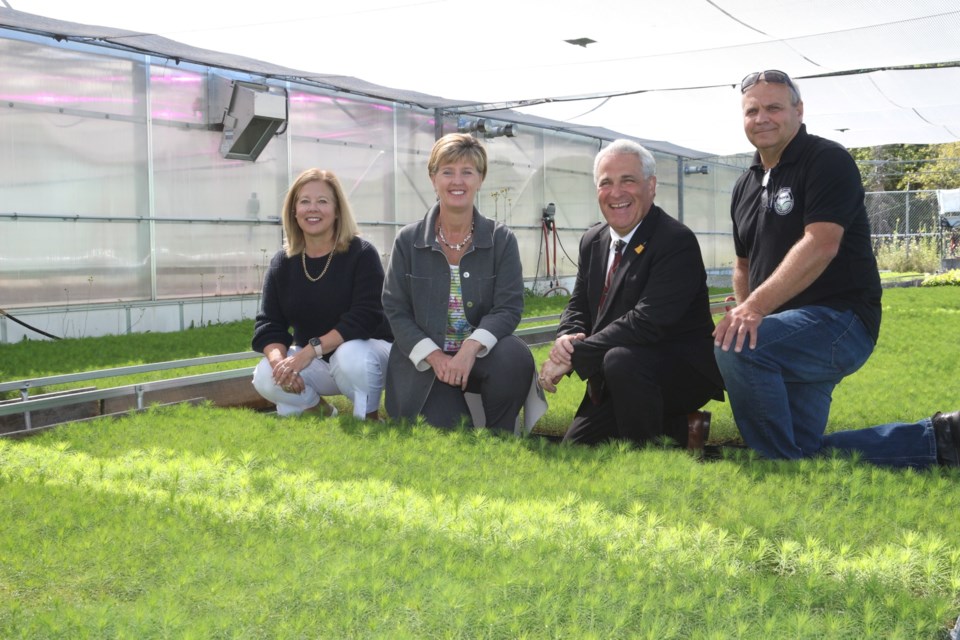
x=808 y=294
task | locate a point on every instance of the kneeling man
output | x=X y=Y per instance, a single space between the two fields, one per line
x=638 y=327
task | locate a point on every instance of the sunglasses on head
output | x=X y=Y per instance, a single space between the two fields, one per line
x=771 y=75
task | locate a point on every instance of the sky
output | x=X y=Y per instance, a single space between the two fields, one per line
x=456 y=55
x=499 y=51
x=681 y=59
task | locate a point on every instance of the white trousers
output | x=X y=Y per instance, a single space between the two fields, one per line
x=356 y=370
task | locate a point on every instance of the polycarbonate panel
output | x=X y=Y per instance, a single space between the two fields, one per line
x=568 y=183
x=354 y=139
x=57 y=78
x=717 y=249
x=332 y=118
x=707 y=211
x=512 y=192
x=68 y=262
x=193 y=181
x=568 y=171
x=667 y=191
x=365 y=173
x=381 y=237
x=178 y=93
x=414 y=193
x=706 y=199
x=61 y=164
x=211 y=260
x=698 y=203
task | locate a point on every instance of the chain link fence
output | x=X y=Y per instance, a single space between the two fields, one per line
x=910 y=234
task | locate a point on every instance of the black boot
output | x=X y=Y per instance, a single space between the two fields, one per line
x=946 y=426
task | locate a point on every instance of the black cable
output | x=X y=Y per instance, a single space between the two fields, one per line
x=536 y=274
x=32 y=328
x=544 y=239
x=574 y=262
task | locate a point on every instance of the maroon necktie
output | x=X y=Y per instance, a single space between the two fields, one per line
x=595 y=385
x=618 y=254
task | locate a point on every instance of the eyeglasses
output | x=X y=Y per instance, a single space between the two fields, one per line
x=765 y=202
x=770 y=75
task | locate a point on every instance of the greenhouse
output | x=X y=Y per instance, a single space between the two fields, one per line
x=142 y=178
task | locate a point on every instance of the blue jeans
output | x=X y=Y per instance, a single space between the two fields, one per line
x=780 y=392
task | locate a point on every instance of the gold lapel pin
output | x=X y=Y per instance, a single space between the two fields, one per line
x=639 y=249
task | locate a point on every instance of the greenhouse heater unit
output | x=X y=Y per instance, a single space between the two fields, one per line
x=251 y=120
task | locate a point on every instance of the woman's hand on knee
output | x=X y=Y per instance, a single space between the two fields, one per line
x=459 y=368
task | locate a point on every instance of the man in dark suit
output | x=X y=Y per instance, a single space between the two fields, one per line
x=638 y=326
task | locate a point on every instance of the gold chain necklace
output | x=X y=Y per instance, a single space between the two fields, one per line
x=303 y=259
x=460 y=245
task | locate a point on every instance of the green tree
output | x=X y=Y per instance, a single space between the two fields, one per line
x=941 y=171
x=884 y=167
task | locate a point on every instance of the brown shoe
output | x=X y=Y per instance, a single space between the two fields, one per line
x=698 y=430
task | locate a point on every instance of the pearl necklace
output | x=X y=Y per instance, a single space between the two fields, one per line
x=458 y=247
x=303 y=260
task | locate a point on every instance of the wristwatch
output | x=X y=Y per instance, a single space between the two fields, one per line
x=317 y=347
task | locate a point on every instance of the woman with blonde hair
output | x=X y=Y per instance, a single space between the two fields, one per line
x=454 y=295
x=325 y=286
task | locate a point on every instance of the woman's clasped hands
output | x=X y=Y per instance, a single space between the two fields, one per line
x=286 y=373
x=453 y=369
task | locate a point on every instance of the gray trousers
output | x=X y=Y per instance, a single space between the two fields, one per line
x=502 y=381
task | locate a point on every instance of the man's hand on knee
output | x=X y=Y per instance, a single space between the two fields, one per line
x=562 y=351
x=550 y=374
x=740 y=323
